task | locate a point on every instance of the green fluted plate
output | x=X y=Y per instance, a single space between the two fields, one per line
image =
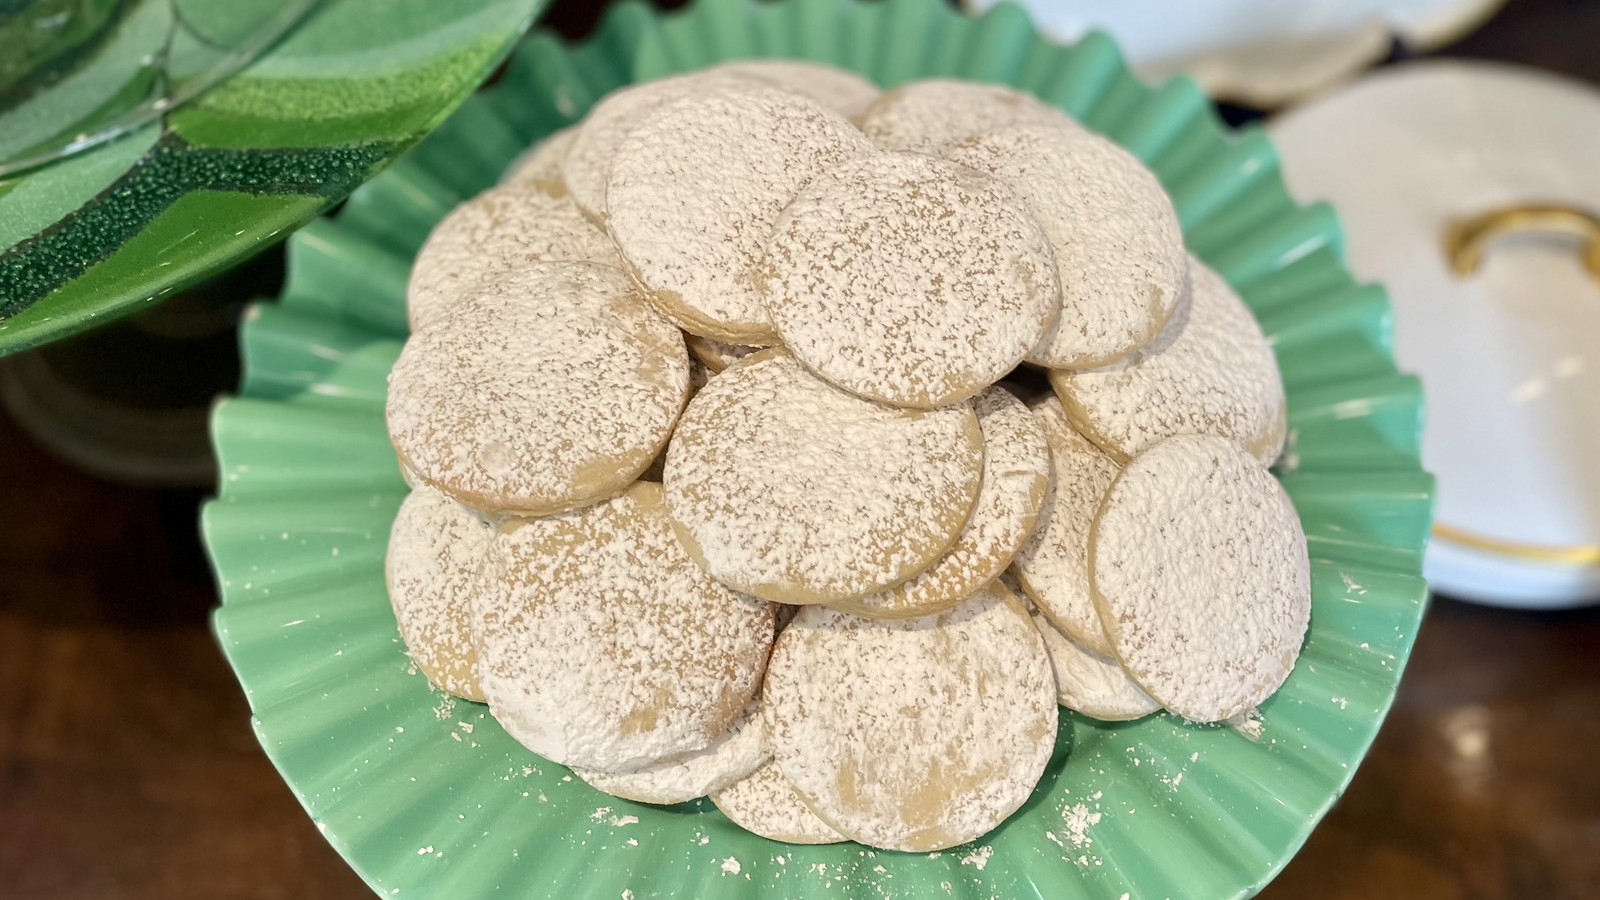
x=107 y=230
x=429 y=798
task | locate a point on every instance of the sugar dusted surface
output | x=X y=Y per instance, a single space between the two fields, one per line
x=1115 y=235
x=1211 y=371
x=742 y=750
x=544 y=390
x=492 y=236
x=1016 y=474
x=539 y=166
x=764 y=804
x=1053 y=564
x=915 y=734
x=604 y=646
x=1201 y=577
x=694 y=240
x=436 y=549
x=927 y=116
x=788 y=488
x=587 y=163
x=840 y=90
x=1089 y=683
x=908 y=279
x=717 y=355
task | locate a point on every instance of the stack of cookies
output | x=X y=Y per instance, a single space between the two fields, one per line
x=740 y=414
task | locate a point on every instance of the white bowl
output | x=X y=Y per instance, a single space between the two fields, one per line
x=1506 y=351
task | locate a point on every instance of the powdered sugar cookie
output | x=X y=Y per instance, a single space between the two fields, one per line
x=916 y=734
x=492 y=234
x=587 y=163
x=602 y=645
x=717 y=355
x=1117 y=244
x=763 y=803
x=908 y=279
x=838 y=89
x=1201 y=576
x=545 y=389
x=693 y=240
x=1053 y=564
x=681 y=779
x=792 y=490
x=1210 y=372
x=436 y=548
x=927 y=116
x=1089 y=683
x=539 y=166
x=1016 y=473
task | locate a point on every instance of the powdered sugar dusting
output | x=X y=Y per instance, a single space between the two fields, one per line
x=604 y=646
x=908 y=279
x=927 y=116
x=546 y=389
x=790 y=489
x=495 y=233
x=539 y=166
x=1210 y=372
x=1053 y=564
x=587 y=163
x=1016 y=474
x=1201 y=577
x=693 y=240
x=763 y=803
x=1114 y=232
x=917 y=734
x=730 y=757
x=840 y=90
x=1089 y=683
x=717 y=355
x=436 y=548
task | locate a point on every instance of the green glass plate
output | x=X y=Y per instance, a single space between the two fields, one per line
x=108 y=230
x=428 y=797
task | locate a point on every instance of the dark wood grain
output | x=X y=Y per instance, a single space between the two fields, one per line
x=128 y=770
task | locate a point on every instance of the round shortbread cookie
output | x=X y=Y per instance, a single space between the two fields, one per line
x=1201 y=576
x=838 y=89
x=539 y=166
x=1053 y=565
x=1016 y=474
x=1211 y=371
x=602 y=645
x=587 y=163
x=545 y=389
x=917 y=734
x=717 y=355
x=788 y=488
x=1114 y=232
x=436 y=549
x=729 y=758
x=1088 y=683
x=928 y=116
x=909 y=279
x=694 y=240
x=493 y=235
x=765 y=804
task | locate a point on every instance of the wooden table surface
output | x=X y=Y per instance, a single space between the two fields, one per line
x=128 y=770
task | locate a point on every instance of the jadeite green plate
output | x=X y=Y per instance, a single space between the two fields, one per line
x=105 y=231
x=428 y=798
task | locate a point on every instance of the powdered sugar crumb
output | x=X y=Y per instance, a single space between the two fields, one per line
x=730 y=866
x=978 y=858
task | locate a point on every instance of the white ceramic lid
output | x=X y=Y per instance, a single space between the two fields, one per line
x=1508 y=352
x=1261 y=52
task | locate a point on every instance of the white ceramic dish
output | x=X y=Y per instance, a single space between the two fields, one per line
x=1262 y=52
x=1506 y=349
